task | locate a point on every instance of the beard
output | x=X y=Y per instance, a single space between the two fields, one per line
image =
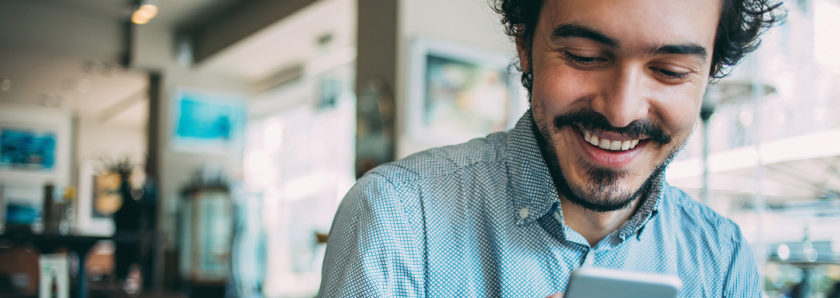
x=601 y=191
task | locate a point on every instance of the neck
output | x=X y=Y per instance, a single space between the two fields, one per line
x=594 y=226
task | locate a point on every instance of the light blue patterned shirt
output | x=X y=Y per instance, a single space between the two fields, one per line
x=483 y=219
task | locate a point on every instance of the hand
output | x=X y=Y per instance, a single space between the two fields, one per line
x=556 y=295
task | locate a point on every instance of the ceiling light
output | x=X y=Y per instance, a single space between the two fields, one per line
x=146 y=10
x=149 y=9
x=138 y=18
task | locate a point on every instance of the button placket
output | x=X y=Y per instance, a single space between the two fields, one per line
x=589 y=258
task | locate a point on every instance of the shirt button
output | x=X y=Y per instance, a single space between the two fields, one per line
x=523 y=213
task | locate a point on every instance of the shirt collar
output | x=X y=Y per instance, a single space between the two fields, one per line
x=532 y=191
x=650 y=207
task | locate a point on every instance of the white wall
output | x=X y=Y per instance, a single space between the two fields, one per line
x=96 y=141
x=469 y=22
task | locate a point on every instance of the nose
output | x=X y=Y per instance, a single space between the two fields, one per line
x=622 y=99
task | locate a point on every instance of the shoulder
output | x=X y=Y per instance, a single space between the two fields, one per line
x=443 y=161
x=714 y=239
x=698 y=219
x=722 y=261
x=399 y=185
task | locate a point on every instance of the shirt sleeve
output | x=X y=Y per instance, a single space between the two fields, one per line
x=742 y=279
x=372 y=249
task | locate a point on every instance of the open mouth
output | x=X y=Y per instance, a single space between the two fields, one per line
x=610 y=141
x=607 y=144
x=612 y=150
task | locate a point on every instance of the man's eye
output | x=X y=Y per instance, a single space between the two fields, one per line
x=584 y=60
x=672 y=74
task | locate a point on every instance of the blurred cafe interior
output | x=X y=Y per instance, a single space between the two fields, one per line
x=200 y=148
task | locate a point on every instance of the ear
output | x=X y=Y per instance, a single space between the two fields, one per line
x=523 y=48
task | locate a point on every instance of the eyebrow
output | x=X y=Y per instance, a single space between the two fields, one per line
x=580 y=31
x=572 y=30
x=682 y=49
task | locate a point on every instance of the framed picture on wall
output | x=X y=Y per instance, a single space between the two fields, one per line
x=206 y=121
x=34 y=146
x=98 y=199
x=28 y=149
x=457 y=93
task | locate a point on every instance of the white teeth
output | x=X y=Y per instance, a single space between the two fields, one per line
x=593 y=140
x=604 y=144
x=590 y=138
x=609 y=144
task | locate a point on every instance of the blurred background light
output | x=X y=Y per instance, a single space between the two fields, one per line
x=145 y=12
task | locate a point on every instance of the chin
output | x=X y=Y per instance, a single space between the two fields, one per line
x=604 y=191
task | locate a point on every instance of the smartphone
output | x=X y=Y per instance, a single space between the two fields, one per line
x=589 y=282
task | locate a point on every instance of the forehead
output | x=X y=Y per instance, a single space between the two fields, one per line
x=637 y=22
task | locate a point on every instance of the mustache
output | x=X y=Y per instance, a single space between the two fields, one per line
x=592 y=120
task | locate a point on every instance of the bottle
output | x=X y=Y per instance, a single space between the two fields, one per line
x=47 y=215
x=69 y=215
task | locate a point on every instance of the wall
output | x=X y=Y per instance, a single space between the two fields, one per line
x=97 y=141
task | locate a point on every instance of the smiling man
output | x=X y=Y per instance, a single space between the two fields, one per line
x=615 y=89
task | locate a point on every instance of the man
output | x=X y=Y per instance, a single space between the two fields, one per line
x=615 y=89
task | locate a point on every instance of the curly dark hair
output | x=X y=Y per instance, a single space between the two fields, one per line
x=741 y=23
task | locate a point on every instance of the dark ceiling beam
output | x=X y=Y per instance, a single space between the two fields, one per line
x=212 y=35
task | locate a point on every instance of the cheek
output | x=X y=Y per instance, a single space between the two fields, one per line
x=679 y=114
x=556 y=88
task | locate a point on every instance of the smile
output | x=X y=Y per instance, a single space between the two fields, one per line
x=597 y=146
x=608 y=144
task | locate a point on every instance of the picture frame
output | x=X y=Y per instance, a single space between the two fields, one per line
x=34 y=146
x=457 y=93
x=88 y=220
x=205 y=121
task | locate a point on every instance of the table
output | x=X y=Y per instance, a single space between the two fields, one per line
x=47 y=243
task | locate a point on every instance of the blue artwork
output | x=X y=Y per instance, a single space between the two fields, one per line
x=26 y=149
x=201 y=120
x=207 y=121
